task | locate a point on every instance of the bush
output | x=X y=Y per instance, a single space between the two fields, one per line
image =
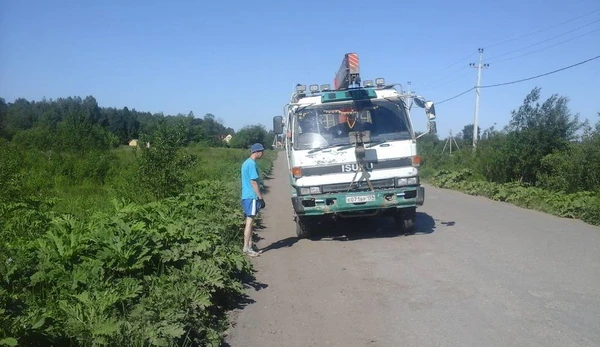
x=159 y=273
x=154 y=273
x=540 y=160
x=581 y=205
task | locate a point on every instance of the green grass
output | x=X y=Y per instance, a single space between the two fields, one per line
x=99 y=267
x=582 y=205
x=84 y=196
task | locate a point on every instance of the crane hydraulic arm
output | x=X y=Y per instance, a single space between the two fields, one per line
x=348 y=73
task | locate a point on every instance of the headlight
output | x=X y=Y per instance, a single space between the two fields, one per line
x=408 y=181
x=310 y=190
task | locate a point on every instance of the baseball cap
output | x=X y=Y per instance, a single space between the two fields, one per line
x=257 y=147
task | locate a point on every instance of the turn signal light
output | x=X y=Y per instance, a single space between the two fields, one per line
x=297 y=171
x=416 y=160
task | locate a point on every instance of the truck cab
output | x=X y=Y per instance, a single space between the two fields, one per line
x=352 y=152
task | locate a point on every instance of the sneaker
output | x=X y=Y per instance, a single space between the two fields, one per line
x=255 y=248
x=251 y=252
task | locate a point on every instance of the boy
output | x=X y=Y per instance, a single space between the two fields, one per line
x=252 y=200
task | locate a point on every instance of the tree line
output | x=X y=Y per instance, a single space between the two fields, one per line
x=80 y=124
x=544 y=146
x=74 y=149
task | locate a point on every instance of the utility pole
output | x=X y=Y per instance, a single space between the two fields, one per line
x=449 y=142
x=479 y=66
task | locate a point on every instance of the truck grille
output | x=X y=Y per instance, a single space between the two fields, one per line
x=358 y=186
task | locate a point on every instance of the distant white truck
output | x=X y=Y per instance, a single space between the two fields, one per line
x=352 y=150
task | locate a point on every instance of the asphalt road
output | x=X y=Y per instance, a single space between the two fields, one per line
x=477 y=273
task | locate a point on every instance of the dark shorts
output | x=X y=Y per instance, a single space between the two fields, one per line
x=251 y=207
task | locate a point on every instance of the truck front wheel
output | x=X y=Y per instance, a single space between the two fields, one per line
x=405 y=218
x=303 y=228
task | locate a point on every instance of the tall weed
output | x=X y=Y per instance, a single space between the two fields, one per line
x=134 y=274
x=580 y=205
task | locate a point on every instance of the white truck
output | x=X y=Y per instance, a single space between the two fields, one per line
x=352 y=150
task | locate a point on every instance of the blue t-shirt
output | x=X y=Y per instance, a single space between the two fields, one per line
x=249 y=173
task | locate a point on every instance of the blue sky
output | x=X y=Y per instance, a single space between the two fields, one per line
x=240 y=60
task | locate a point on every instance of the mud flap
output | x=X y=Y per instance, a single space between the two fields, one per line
x=420 y=196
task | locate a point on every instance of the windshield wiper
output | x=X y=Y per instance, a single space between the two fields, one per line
x=303 y=107
x=322 y=148
x=346 y=147
x=369 y=145
x=376 y=143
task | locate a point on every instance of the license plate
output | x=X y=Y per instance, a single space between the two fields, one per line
x=360 y=198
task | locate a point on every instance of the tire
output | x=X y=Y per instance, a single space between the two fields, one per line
x=303 y=228
x=406 y=219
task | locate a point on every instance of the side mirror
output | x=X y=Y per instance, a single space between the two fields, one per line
x=278 y=125
x=430 y=110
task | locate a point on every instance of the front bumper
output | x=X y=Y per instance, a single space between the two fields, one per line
x=382 y=200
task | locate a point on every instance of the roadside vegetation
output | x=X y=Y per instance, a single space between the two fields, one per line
x=545 y=159
x=106 y=244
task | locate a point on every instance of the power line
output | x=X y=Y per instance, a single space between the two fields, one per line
x=427 y=85
x=518 y=38
x=521 y=80
x=542 y=75
x=438 y=85
x=544 y=41
x=448 y=67
x=545 y=48
x=456 y=96
x=542 y=30
x=515 y=57
x=460 y=61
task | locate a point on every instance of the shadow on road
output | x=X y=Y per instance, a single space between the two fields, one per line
x=284 y=243
x=264 y=189
x=249 y=282
x=242 y=300
x=357 y=229
x=425 y=224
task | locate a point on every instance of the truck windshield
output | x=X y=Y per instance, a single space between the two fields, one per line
x=318 y=126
